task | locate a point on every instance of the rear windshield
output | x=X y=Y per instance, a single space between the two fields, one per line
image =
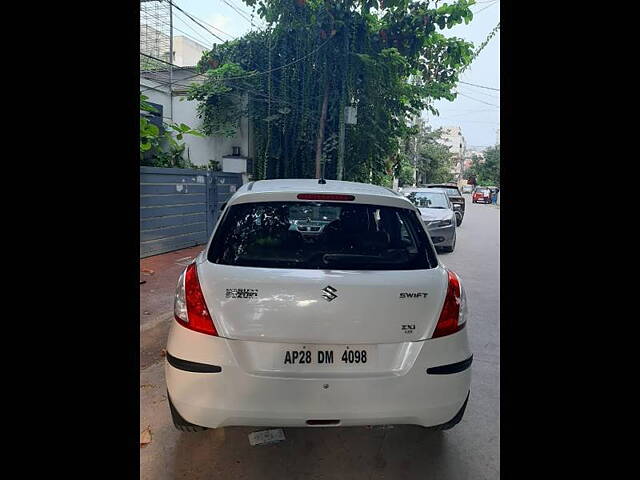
x=429 y=199
x=452 y=192
x=321 y=235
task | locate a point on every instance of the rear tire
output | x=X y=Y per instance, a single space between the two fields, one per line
x=180 y=423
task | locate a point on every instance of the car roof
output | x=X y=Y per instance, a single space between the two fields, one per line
x=311 y=185
x=288 y=189
x=427 y=190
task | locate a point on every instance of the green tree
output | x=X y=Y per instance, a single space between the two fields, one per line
x=433 y=161
x=405 y=172
x=388 y=59
x=487 y=171
x=490 y=173
x=162 y=147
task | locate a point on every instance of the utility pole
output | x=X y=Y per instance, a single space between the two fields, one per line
x=415 y=160
x=343 y=104
x=323 y=115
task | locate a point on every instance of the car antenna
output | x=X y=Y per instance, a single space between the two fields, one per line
x=322 y=181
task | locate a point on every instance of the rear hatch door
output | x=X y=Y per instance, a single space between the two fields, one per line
x=323 y=306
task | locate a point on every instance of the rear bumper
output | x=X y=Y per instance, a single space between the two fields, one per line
x=235 y=396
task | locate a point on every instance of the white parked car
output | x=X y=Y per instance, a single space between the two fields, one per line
x=318 y=305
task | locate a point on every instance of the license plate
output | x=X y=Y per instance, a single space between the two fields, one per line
x=327 y=356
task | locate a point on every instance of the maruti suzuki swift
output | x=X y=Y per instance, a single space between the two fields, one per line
x=318 y=304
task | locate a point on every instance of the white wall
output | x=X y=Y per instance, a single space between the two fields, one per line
x=187 y=52
x=155 y=96
x=200 y=149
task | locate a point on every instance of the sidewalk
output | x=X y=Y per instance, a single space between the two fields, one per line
x=160 y=274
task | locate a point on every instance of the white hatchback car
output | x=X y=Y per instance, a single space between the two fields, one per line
x=318 y=305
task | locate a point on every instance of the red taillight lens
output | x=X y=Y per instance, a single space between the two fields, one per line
x=449 y=321
x=326 y=196
x=198 y=317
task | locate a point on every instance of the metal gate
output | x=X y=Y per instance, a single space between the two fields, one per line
x=179 y=207
x=221 y=187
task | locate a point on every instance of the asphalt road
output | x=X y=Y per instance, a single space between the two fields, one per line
x=471 y=450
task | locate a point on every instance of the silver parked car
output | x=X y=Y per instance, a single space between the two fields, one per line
x=438 y=214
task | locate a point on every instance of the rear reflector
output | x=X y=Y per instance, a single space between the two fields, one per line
x=326 y=196
x=198 y=317
x=449 y=321
x=323 y=422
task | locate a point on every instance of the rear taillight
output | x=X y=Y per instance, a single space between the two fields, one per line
x=454 y=311
x=190 y=309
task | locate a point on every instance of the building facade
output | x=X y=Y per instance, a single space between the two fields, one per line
x=187 y=52
x=155 y=43
x=177 y=109
x=452 y=137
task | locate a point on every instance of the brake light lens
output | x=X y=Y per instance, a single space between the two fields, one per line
x=190 y=309
x=326 y=196
x=454 y=311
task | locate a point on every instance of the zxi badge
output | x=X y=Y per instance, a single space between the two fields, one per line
x=408 y=328
x=329 y=293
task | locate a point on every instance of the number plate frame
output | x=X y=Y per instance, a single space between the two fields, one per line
x=326 y=356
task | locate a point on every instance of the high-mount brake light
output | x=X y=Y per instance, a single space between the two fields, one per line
x=190 y=309
x=452 y=316
x=326 y=196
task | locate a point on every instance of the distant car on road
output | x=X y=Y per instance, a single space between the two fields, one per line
x=467 y=189
x=481 y=195
x=453 y=192
x=438 y=215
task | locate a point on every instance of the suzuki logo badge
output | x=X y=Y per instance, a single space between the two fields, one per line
x=329 y=293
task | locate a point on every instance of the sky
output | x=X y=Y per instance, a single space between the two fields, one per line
x=476 y=110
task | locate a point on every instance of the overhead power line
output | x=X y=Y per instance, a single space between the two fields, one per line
x=315 y=50
x=255 y=73
x=479 y=86
x=481 y=47
x=212 y=26
x=196 y=21
x=491 y=4
x=196 y=33
x=186 y=34
x=458 y=120
x=243 y=14
x=489 y=95
x=475 y=112
x=481 y=101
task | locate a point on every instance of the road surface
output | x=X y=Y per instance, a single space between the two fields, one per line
x=470 y=451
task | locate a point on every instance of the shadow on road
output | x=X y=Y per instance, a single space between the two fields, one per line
x=404 y=451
